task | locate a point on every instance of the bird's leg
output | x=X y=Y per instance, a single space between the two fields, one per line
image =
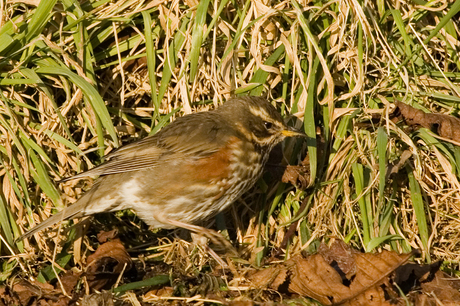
x=200 y=231
x=203 y=241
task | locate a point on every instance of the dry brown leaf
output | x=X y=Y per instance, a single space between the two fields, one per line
x=315 y=278
x=442 y=290
x=5 y=296
x=27 y=293
x=271 y=277
x=101 y=298
x=297 y=175
x=163 y=292
x=412 y=273
x=341 y=254
x=105 y=265
x=372 y=271
x=104 y=236
x=241 y=303
x=446 y=126
x=69 y=280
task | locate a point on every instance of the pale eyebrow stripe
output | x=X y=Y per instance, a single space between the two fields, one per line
x=261 y=113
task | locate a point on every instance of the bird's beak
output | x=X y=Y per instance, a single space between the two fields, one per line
x=292 y=132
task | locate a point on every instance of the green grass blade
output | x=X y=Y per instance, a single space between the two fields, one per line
x=216 y=16
x=30 y=143
x=430 y=140
x=41 y=177
x=173 y=50
x=310 y=122
x=402 y=29
x=39 y=19
x=92 y=95
x=40 y=84
x=5 y=41
x=260 y=76
x=342 y=131
x=163 y=121
x=151 y=59
x=58 y=138
x=448 y=16
x=197 y=37
x=7 y=82
x=386 y=218
x=382 y=141
x=358 y=175
x=47 y=274
x=311 y=39
x=154 y=281
x=81 y=38
x=444 y=20
x=419 y=210
x=239 y=31
x=12 y=25
x=123 y=46
x=375 y=242
x=5 y=224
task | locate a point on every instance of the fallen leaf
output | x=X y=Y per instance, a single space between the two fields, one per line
x=25 y=292
x=446 y=126
x=105 y=265
x=298 y=176
x=163 y=292
x=241 y=303
x=104 y=236
x=5 y=296
x=69 y=280
x=340 y=254
x=272 y=277
x=411 y=274
x=33 y=293
x=441 y=290
x=314 y=277
x=96 y=299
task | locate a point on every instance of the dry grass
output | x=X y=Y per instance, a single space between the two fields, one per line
x=335 y=65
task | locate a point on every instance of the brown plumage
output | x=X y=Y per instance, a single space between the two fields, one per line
x=189 y=171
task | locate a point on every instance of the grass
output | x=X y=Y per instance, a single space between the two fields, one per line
x=74 y=86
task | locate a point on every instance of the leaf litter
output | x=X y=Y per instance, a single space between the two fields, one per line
x=446 y=126
x=211 y=80
x=340 y=275
x=335 y=275
x=106 y=264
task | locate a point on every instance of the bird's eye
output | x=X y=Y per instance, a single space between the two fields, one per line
x=268 y=125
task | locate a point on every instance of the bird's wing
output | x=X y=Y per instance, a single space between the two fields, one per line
x=132 y=160
x=195 y=137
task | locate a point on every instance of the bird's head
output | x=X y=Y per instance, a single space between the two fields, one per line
x=257 y=120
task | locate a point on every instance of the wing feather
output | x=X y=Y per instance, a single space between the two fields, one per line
x=192 y=136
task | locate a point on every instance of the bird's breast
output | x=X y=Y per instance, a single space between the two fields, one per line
x=193 y=189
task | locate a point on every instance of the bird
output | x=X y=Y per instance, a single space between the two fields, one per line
x=189 y=171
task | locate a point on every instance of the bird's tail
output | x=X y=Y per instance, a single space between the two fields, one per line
x=72 y=211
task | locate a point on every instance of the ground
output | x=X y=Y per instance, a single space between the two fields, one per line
x=375 y=86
